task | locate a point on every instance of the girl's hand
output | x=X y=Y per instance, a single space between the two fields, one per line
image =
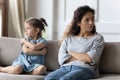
x=22 y=41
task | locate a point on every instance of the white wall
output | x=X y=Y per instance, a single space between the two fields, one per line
x=42 y=8
x=57 y=15
x=107 y=16
x=52 y=11
x=109 y=19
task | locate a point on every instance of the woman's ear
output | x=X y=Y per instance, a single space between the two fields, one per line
x=78 y=23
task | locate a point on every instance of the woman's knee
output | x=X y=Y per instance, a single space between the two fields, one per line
x=65 y=78
x=50 y=78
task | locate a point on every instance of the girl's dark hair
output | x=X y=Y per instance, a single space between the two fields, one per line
x=38 y=23
x=73 y=28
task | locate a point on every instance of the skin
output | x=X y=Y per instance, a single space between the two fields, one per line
x=86 y=25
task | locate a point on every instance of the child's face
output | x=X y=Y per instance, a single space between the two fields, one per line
x=30 y=31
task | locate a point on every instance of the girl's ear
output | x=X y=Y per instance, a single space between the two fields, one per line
x=37 y=30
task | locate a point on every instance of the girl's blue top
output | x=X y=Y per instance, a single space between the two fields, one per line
x=30 y=62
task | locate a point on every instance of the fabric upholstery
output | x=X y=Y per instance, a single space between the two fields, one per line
x=110 y=58
x=6 y=76
x=108 y=77
x=10 y=48
x=51 y=56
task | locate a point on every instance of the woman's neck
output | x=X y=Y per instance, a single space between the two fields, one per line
x=87 y=34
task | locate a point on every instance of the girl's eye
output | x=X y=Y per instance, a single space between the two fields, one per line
x=26 y=29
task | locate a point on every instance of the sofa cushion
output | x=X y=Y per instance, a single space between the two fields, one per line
x=108 y=77
x=9 y=50
x=6 y=76
x=110 y=58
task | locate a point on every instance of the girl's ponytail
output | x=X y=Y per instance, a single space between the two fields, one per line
x=43 y=21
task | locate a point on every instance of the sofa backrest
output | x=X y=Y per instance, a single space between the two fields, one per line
x=52 y=55
x=110 y=59
x=10 y=48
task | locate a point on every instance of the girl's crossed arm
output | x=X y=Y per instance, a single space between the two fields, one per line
x=32 y=46
x=29 y=51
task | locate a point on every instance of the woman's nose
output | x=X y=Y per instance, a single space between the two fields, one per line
x=91 y=22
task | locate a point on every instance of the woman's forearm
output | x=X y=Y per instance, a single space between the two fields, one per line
x=81 y=56
x=70 y=59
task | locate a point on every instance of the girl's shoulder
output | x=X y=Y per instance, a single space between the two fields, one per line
x=42 y=40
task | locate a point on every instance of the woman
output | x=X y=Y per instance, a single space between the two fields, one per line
x=80 y=49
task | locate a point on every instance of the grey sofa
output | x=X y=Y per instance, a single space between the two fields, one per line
x=10 y=49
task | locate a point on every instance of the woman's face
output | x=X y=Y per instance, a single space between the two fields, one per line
x=87 y=22
x=30 y=31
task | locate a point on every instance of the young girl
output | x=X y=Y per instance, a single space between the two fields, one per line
x=31 y=59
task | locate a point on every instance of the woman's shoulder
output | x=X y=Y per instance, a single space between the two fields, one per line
x=68 y=37
x=98 y=36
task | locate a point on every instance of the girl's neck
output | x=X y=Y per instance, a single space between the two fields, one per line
x=34 y=38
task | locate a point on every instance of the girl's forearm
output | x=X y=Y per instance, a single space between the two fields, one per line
x=34 y=46
x=34 y=52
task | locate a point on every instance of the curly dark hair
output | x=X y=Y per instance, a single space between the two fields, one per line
x=73 y=29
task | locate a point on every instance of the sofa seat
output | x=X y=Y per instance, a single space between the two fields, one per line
x=6 y=76
x=108 y=77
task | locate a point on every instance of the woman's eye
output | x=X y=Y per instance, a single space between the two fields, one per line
x=87 y=20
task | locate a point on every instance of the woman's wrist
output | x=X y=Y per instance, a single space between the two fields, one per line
x=70 y=59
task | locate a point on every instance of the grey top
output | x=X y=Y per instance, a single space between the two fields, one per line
x=92 y=46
